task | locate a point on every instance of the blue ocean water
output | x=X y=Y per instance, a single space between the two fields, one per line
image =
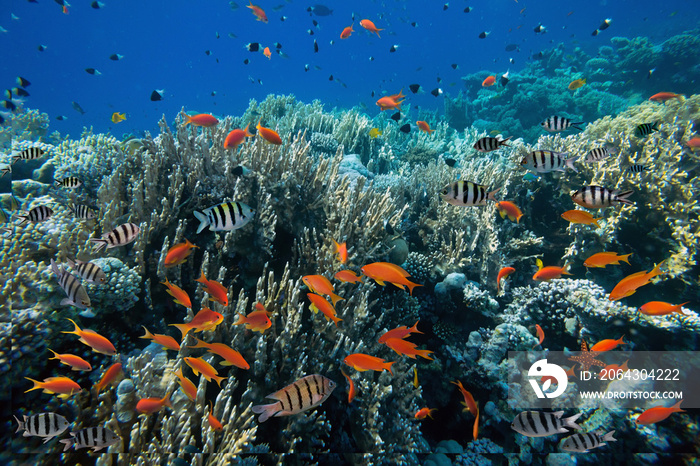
x=164 y=45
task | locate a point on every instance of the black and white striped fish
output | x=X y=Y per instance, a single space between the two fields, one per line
x=637 y=168
x=302 y=395
x=28 y=154
x=224 y=217
x=467 y=194
x=75 y=292
x=545 y=161
x=489 y=144
x=96 y=438
x=598 y=154
x=556 y=123
x=581 y=443
x=88 y=271
x=123 y=234
x=68 y=182
x=37 y=214
x=540 y=424
x=82 y=211
x=646 y=129
x=47 y=425
x=597 y=197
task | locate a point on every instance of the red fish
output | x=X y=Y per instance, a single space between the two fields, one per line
x=660 y=308
x=607 y=345
x=406 y=348
x=62 y=386
x=203 y=119
x=658 y=414
x=351 y=387
x=321 y=285
x=269 y=135
x=258 y=12
x=206 y=319
x=178 y=254
x=425 y=412
x=230 y=355
x=506 y=208
x=364 y=362
x=94 y=340
x=153 y=405
x=468 y=403
x=629 y=285
x=347 y=31
x=214 y=289
x=382 y=272
x=180 y=295
x=76 y=363
x=488 y=82
x=424 y=126
x=693 y=143
x=166 y=341
x=348 y=276
x=342 y=251
x=475 y=429
x=387 y=103
x=188 y=388
x=214 y=423
x=199 y=365
x=267 y=53
x=664 y=96
x=602 y=259
x=236 y=137
x=257 y=321
x=400 y=332
x=319 y=303
x=540 y=335
x=108 y=377
x=503 y=273
x=369 y=25
x=550 y=272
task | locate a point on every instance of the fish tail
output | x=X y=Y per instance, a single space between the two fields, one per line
x=247 y=132
x=570 y=163
x=609 y=437
x=625 y=258
x=25 y=219
x=410 y=286
x=335 y=298
x=503 y=143
x=414 y=329
x=267 y=411
x=56 y=354
x=37 y=385
x=241 y=320
x=166 y=401
x=188 y=119
x=20 y=425
x=200 y=344
x=622 y=197
x=491 y=196
x=183 y=328
x=202 y=279
x=571 y=422
x=576 y=125
x=679 y=308
x=75 y=331
x=101 y=243
x=218 y=379
x=424 y=354
x=387 y=366
x=676 y=408
x=335 y=320
x=203 y=221
x=68 y=442
x=148 y=334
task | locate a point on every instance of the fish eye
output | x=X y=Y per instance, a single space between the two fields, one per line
x=444 y=191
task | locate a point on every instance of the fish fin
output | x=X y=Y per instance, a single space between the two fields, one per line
x=570 y=422
x=101 y=243
x=267 y=411
x=202 y=280
x=68 y=442
x=622 y=197
x=410 y=286
x=183 y=328
x=203 y=221
x=46 y=439
x=335 y=298
x=609 y=437
x=20 y=424
x=491 y=196
x=380 y=282
x=67 y=302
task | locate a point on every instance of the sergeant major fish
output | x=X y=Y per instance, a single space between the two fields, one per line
x=88 y=271
x=581 y=443
x=37 y=214
x=302 y=395
x=77 y=296
x=29 y=154
x=556 y=123
x=224 y=217
x=120 y=236
x=95 y=438
x=488 y=144
x=466 y=193
x=541 y=424
x=46 y=425
x=597 y=197
x=545 y=161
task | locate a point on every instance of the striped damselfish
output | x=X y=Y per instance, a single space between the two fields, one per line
x=224 y=217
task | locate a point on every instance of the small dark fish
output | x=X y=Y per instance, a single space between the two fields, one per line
x=60 y=2
x=505 y=78
x=78 y=108
x=454 y=66
x=468 y=9
x=605 y=24
x=414 y=24
x=253 y=46
x=306 y=67
x=116 y=57
x=238 y=171
x=646 y=129
x=284 y=18
x=20 y=92
x=234 y=6
x=637 y=168
x=22 y=82
x=310 y=32
x=330 y=78
x=207 y=52
x=445 y=6
x=277 y=45
x=41 y=48
x=511 y=61
x=436 y=92
x=414 y=88
x=388 y=228
x=396 y=116
x=393 y=48
x=595 y=33
x=650 y=72
x=97 y=5
x=540 y=29
x=484 y=34
x=450 y=162
x=315 y=46
x=246 y=61
x=157 y=95
x=315 y=22
x=92 y=71
x=8 y=104
x=405 y=128
x=61 y=117
x=511 y=47
x=320 y=10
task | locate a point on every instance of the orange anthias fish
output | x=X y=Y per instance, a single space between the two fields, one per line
x=468 y=403
x=269 y=135
x=660 y=308
x=257 y=321
x=658 y=414
x=580 y=217
x=506 y=208
x=550 y=272
x=607 y=345
x=205 y=319
x=188 y=388
x=693 y=143
x=319 y=303
x=664 y=96
x=267 y=53
x=577 y=84
x=166 y=341
x=214 y=289
x=230 y=355
x=199 y=365
x=108 y=377
x=178 y=254
x=153 y=405
x=351 y=387
x=364 y=362
x=424 y=126
x=342 y=250
x=602 y=259
x=425 y=412
x=76 y=363
x=406 y=348
x=387 y=103
x=488 y=82
x=369 y=25
x=236 y=137
x=503 y=273
x=347 y=31
x=94 y=340
x=399 y=332
x=321 y=285
x=180 y=295
x=62 y=386
x=617 y=367
x=629 y=285
x=214 y=423
x=382 y=272
x=258 y=12
x=348 y=276
x=203 y=119
x=540 y=335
